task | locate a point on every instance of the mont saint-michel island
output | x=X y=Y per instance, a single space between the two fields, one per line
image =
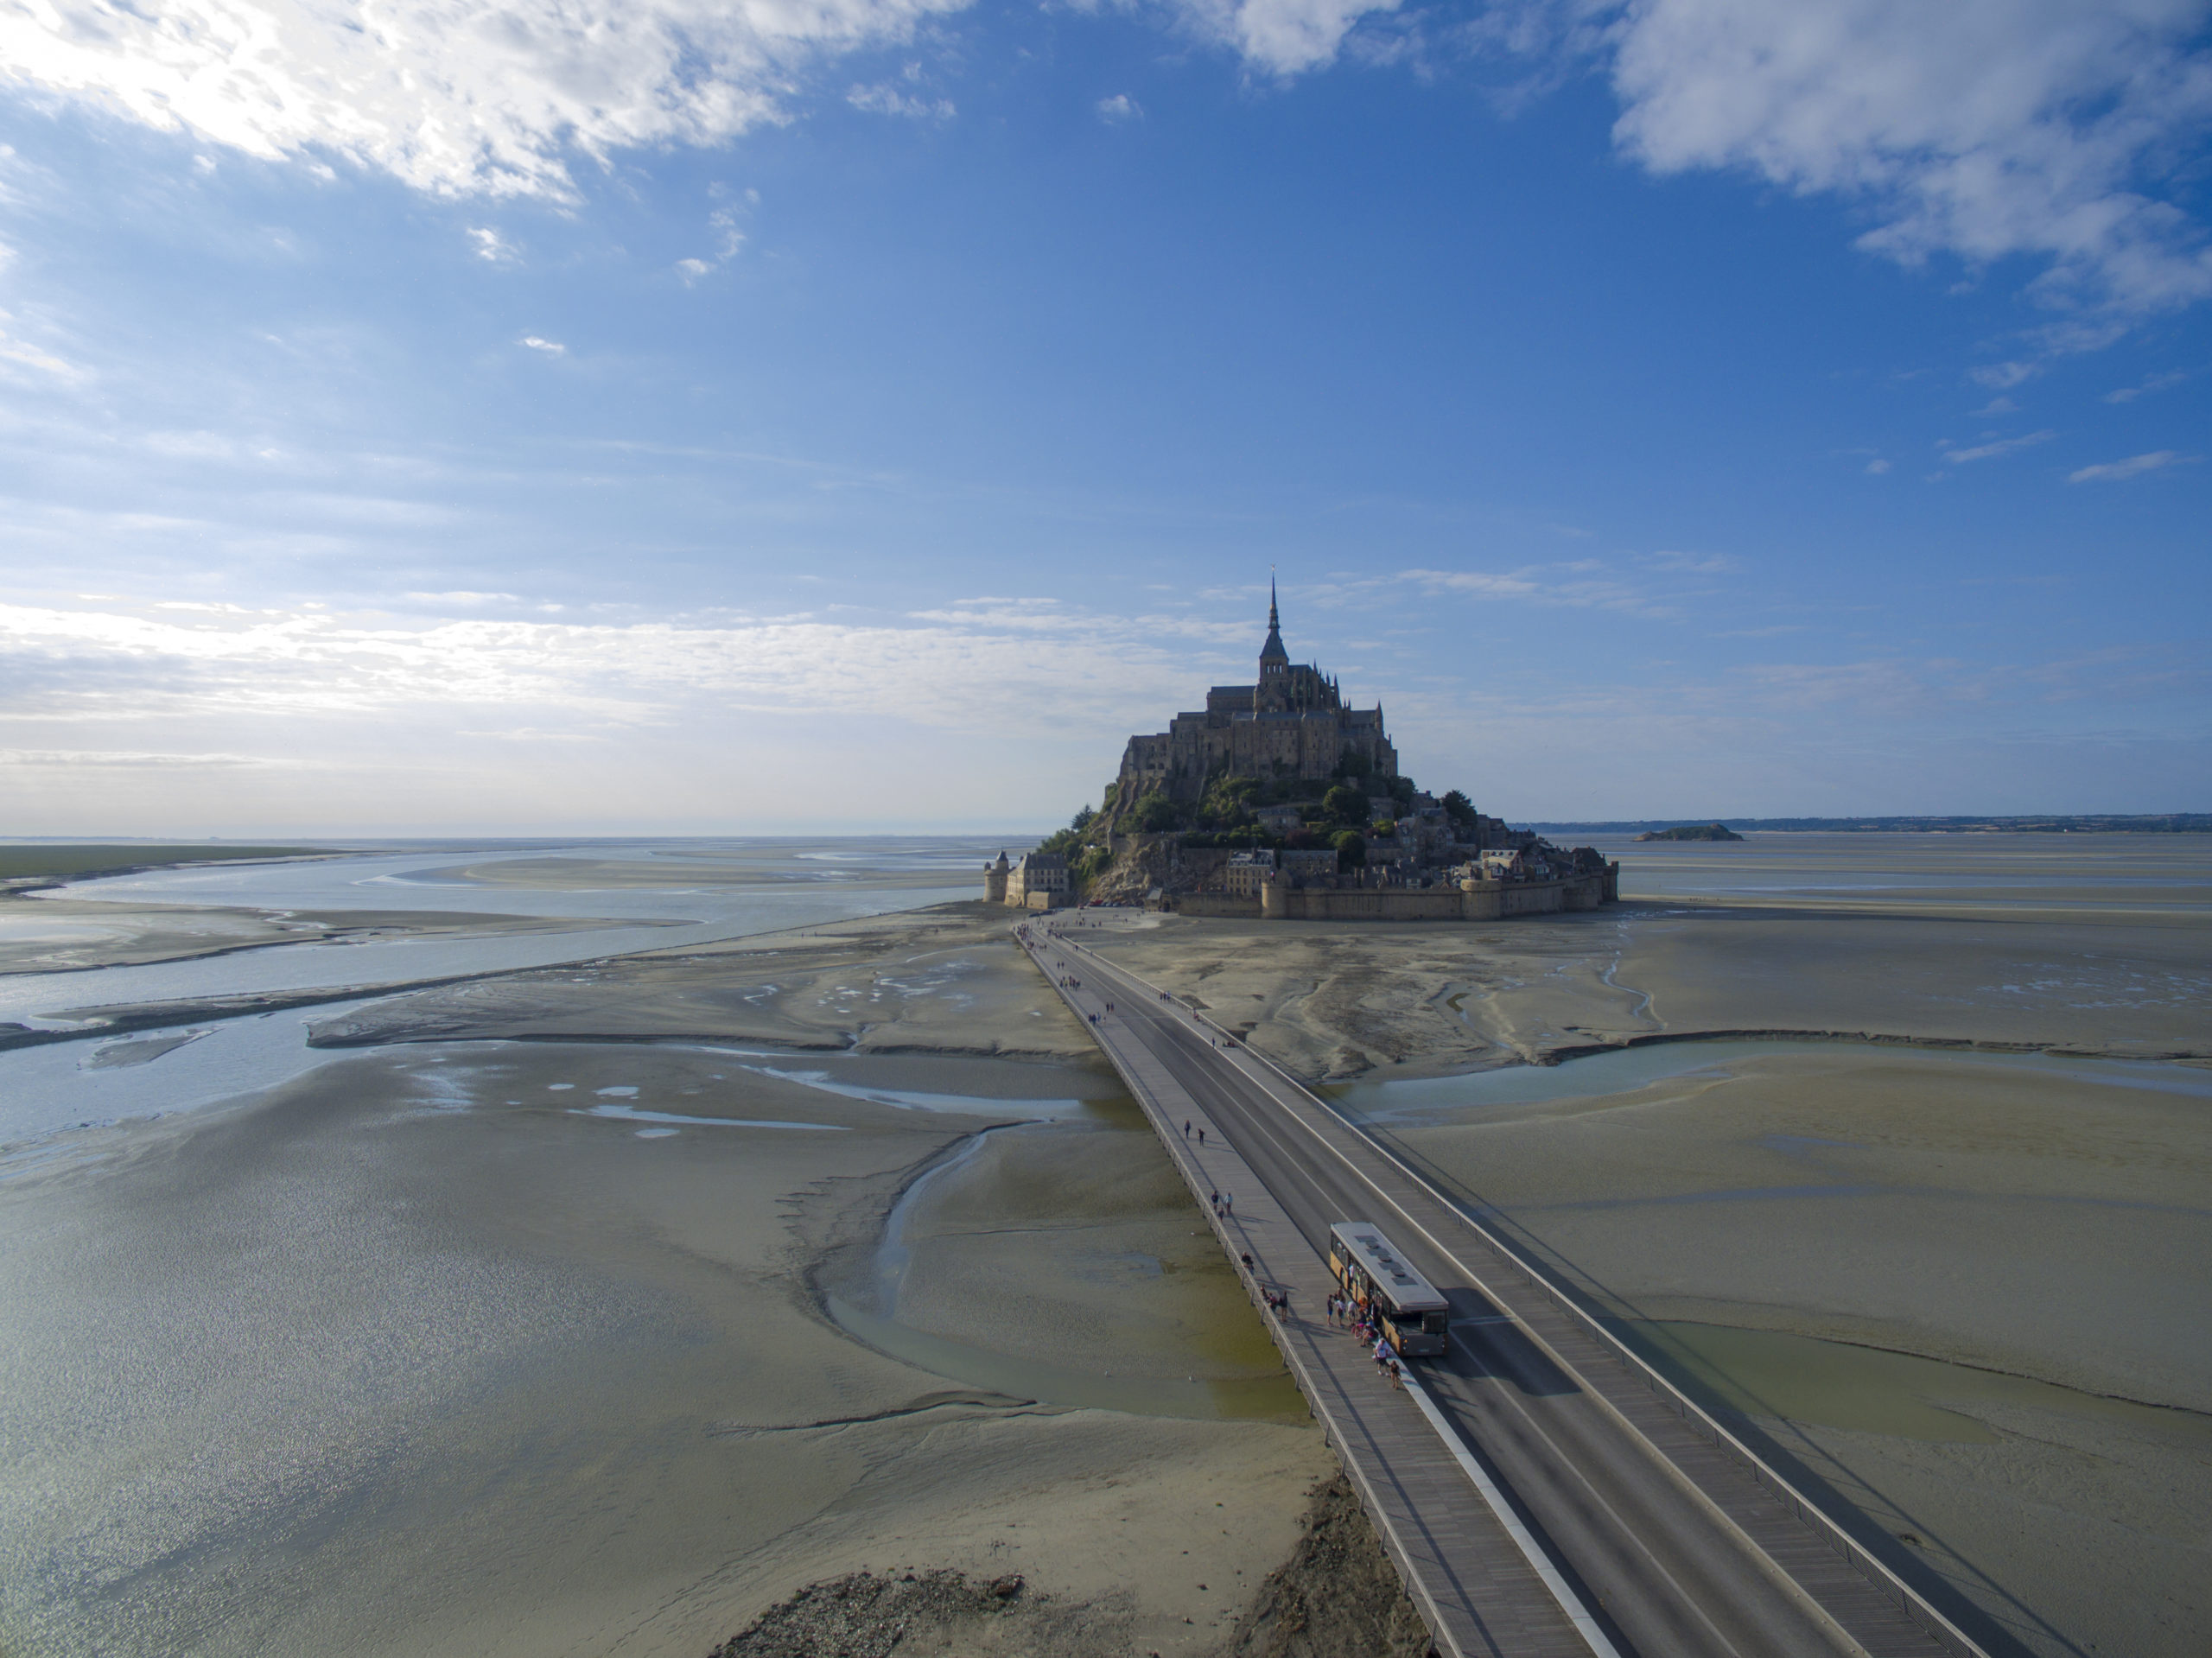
x=1279 y=800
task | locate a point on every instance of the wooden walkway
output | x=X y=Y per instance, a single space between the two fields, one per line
x=1744 y=1565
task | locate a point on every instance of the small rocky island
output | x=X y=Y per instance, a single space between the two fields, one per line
x=1693 y=832
x=1280 y=801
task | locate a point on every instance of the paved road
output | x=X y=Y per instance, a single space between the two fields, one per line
x=1676 y=1549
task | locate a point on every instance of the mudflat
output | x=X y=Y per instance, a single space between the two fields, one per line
x=948 y=980
x=1942 y=1238
x=618 y=1301
x=505 y=1347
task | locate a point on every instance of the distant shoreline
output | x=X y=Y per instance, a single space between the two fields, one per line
x=2151 y=823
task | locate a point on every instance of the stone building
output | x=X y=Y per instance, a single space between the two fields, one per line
x=1292 y=723
x=1038 y=881
x=1244 y=872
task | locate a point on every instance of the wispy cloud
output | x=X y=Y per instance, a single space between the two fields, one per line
x=1119 y=108
x=1993 y=448
x=1580 y=584
x=886 y=97
x=2115 y=472
x=72 y=760
x=994 y=664
x=2154 y=383
x=550 y=347
x=491 y=246
x=18 y=353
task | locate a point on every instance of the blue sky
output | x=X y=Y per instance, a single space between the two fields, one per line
x=863 y=414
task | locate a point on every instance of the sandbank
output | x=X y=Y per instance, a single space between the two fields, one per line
x=947 y=980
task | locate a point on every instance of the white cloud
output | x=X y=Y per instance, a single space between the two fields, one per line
x=1984 y=129
x=1580 y=585
x=887 y=99
x=995 y=665
x=16 y=354
x=1994 y=447
x=1877 y=467
x=455 y=99
x=550 y=347
x=71 y=759
x=2003 y=376
x=2154 y=383
x=692 y=270
x=1995 y=407
x=1119 y=108
x=2115 y=472
x=1282 y=37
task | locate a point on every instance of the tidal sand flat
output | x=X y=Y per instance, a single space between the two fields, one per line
x=2086 y=944
x=1956 y=1272
x=947 y=980
x=46 y=929
x=515 y=1347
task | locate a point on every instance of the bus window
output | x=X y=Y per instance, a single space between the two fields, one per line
x=1436 y=1323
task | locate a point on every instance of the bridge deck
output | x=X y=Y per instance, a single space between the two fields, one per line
x=1618 y=1520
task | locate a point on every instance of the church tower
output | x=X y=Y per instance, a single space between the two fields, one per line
x=1275 y=661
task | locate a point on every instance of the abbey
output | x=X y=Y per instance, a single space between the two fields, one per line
x=1293 y=724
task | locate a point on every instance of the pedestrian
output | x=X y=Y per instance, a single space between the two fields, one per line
x=1186 y=1128
x=1202 y=1136
x=1228 y=1203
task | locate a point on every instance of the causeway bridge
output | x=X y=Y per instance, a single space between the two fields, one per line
x=1542 y=1489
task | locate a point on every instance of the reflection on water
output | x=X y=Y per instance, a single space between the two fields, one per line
x=758 y=886
x=632 y=1113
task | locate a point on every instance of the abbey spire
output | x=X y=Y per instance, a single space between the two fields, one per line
x=1272 y=652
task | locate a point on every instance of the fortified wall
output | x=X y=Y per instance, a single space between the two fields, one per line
x=1488 y=901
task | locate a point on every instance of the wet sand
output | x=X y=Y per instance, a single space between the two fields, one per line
x=499 y=1348
x=947 y=980
x=620 y=1381
x=61 y=934
x=1966 y=1296
x=2107 y=955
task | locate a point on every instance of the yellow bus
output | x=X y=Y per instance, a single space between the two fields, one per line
x=1414 y=1319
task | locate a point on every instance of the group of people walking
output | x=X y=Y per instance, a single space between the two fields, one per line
x=1348 y=1314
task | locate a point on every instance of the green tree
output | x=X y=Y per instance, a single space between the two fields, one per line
x=1458 y=808
x=1344 y=804
x=1155 y=814
x=1352 y=849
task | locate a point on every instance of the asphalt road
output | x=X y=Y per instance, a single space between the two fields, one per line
x=1659 y=1566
